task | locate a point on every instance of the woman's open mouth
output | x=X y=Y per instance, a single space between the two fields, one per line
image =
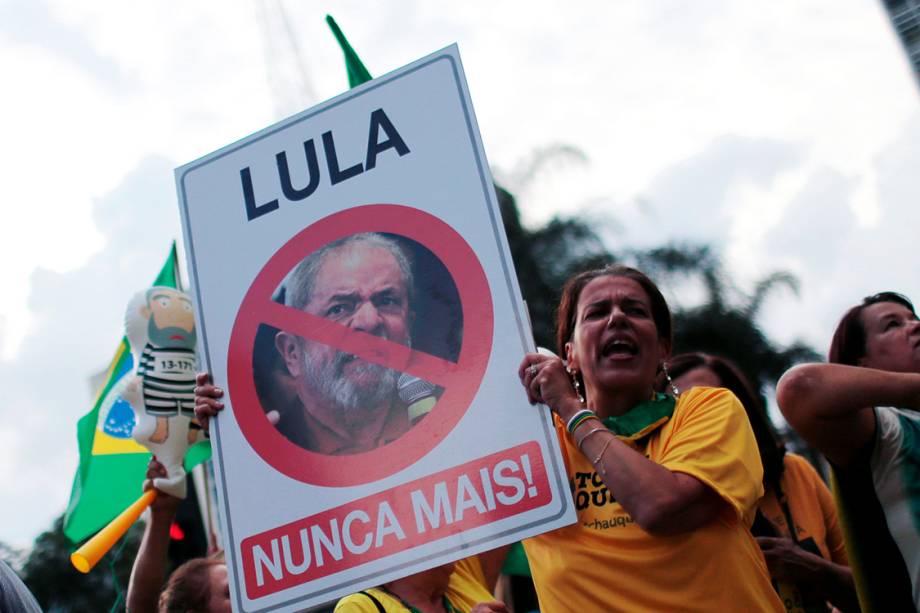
x=619 y=349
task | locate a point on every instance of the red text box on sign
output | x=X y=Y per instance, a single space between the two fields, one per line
x=473 y=494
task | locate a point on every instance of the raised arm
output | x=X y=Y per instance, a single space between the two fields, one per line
x=149 y=571
x=831 y=405
x=661 y=501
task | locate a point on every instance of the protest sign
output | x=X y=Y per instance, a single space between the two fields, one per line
x=357 y=302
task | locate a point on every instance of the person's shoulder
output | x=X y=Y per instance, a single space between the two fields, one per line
x=705 y=398
x=895 y=413
x=889 y=424
x=364 y=602
x=794 y=461
x=897 y=435
x=794 y=464
x=709 y=407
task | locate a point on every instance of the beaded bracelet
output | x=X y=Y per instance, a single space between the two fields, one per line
x=579 y=418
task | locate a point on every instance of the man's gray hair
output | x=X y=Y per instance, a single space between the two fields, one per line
x=298 y=285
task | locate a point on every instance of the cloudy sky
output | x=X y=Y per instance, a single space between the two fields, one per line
x=787 y=134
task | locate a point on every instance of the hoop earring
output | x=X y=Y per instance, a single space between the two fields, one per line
x=667 y=375
x=575 y=384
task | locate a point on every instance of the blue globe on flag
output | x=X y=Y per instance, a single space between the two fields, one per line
x=120 y=420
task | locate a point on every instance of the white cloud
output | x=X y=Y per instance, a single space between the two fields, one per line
x=76 y=326
x=699 y=199
x=32 y=24
x=841 y=258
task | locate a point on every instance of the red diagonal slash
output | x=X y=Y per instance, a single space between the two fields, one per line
x=366 y=346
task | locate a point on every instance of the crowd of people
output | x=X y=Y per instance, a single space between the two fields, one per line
x=686 y=496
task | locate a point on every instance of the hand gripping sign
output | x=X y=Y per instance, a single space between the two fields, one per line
x=357 y=300
x=460 y=379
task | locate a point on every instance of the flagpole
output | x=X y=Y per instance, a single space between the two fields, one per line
x=207 y=502
x=175 y=253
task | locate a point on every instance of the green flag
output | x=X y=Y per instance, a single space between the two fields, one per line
x=357 y=73
x=112 y=464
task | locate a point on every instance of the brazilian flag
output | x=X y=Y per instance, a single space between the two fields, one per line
x=112 y=464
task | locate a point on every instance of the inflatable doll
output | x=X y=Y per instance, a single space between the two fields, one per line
x=160 y=325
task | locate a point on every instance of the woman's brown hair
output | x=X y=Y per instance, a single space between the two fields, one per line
x=849 y=343
x=769 y=443
x=571 y=291
x=189 y=587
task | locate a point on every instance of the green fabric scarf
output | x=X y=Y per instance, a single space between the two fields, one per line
x=642 y=419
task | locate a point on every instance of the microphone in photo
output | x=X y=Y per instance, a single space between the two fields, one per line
x=417 y=394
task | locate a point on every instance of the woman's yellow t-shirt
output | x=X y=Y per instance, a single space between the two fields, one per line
x=605 y=562
x=817 y=529
x=812 y=507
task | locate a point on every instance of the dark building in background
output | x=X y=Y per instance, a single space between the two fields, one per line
x=905 y=17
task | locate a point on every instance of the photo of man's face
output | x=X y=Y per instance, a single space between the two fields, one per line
x=361 y=286
x=332 y=402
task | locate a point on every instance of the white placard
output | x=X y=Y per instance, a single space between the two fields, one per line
x=343 y=494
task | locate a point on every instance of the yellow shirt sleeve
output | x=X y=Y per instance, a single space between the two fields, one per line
x=471 y=569
x=467 y=586
x=711 y=439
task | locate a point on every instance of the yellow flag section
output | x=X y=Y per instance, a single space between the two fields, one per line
x=116 y=418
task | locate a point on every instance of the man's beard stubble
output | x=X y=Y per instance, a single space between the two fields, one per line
x=351 y=402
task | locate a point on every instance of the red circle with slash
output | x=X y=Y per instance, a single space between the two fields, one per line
x=460 y=380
